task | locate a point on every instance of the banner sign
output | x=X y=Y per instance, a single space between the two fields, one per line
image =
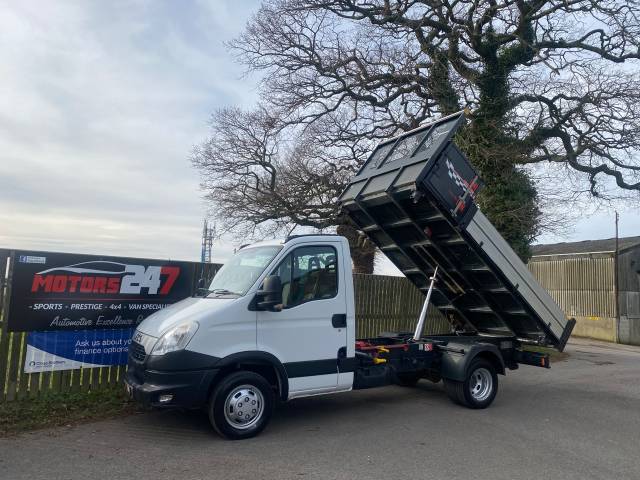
x=48 y=351
x=62 y=291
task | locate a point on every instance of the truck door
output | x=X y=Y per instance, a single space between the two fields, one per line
x=307 y=334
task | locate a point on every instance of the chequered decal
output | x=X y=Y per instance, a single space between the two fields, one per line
x=455 y=176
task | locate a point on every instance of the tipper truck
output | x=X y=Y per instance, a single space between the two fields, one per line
x=278 y=320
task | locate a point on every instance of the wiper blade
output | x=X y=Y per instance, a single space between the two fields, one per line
x=222 y=291
x=202 y=292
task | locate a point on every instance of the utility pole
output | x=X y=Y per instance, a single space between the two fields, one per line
x=207 y=242
x=616 y=284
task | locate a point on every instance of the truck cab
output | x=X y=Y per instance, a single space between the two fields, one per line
x=280 y=310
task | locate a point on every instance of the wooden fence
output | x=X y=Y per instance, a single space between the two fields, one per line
x=391 y=304
x=382 y=304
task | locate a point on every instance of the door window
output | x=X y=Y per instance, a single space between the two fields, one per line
x=307 y=274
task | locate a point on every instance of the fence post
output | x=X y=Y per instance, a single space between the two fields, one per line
x=4 y=255
x=5 y=289
x=14 y=340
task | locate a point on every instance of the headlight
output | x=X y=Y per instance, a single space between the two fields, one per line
x=175 y=338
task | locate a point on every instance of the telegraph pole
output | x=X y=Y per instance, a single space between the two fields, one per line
x=616 y=284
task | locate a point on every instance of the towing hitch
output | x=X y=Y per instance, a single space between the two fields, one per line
x=535 y=359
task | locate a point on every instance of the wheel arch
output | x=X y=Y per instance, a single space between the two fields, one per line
x=262 y=363
x=455 y=364
x=495 y=358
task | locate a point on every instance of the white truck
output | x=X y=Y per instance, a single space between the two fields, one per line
x=278 y=321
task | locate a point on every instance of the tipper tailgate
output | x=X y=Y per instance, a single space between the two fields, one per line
x=415 y=199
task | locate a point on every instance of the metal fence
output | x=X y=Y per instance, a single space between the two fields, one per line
x=583 y=285
x=382 y=304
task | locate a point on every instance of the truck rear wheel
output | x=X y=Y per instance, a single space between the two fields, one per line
x=241 y=405
x=480 y=387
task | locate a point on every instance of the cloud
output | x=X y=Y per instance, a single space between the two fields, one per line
x=100 y=105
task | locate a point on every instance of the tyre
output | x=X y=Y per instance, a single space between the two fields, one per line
x=480 y=387
x=241 y=405
x=407 y=379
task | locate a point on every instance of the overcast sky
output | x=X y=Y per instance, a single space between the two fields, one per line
x=100 y=105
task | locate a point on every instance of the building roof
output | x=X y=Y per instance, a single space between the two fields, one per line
x=586 y=246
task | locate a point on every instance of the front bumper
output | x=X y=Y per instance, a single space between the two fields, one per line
x=186 y=376
x=188 y=389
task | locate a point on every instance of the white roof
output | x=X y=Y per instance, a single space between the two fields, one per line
x=296 y=239
x=266 y=243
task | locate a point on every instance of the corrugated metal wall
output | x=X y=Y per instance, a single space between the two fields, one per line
x=629 y=275
x=583 y=286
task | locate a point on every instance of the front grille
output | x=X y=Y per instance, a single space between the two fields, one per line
x=137 y=351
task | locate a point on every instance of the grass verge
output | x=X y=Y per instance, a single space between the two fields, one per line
x=58 y=409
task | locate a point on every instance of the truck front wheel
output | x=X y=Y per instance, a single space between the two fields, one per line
x=479 y=387
x=241 y=405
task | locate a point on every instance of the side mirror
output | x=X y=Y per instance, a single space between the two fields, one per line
x=271 y=293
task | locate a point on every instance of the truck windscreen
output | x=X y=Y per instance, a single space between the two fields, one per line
x=242 y=270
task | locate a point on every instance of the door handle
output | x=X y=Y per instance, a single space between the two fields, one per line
x=339 y=320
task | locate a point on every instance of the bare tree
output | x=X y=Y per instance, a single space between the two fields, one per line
x=264 y=179
x=551 y=83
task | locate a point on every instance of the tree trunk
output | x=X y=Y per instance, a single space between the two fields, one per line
x=362 y=250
